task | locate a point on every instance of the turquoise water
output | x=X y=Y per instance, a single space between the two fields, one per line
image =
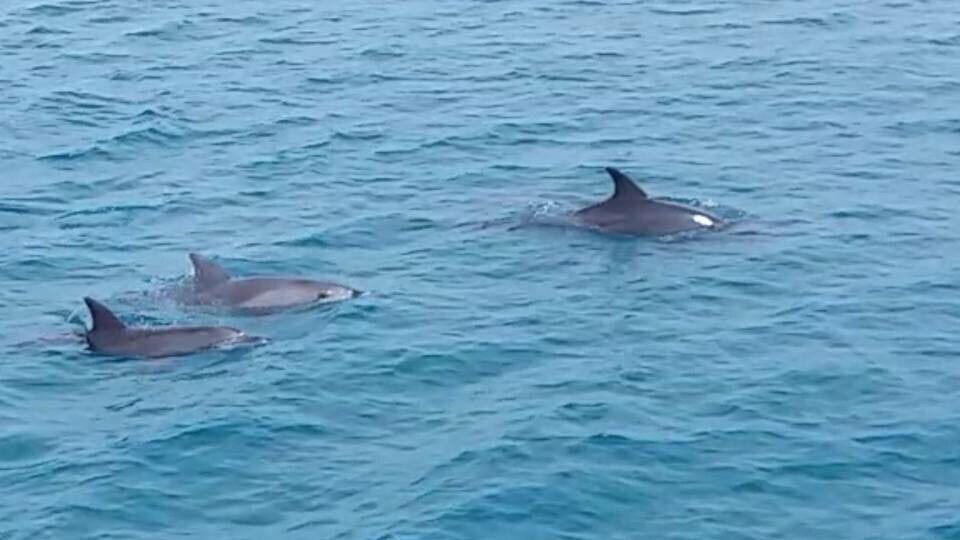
x=794 y=377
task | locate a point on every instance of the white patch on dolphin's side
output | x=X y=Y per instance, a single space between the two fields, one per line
x=337 y=294
x=241 y=340
x=280 y=297
x=703 y=220
x=292 y=296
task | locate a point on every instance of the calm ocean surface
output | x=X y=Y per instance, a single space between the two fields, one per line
x=506 y=377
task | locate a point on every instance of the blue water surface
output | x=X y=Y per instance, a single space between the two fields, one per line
x=506 y=376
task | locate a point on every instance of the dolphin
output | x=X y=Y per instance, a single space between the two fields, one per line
x=630 y=211
x=212 y=285
x=109 y=335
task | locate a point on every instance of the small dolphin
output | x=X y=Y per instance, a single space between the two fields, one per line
x=212 y=285
x=110 y=336
x=630 y=211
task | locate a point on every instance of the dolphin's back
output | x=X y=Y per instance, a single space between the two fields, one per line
x=630 y=211
x=173 y=341
x=110 y=336
x=213 y=285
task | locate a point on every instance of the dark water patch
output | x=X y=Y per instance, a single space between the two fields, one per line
x=21 y=447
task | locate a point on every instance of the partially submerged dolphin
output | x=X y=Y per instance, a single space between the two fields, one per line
x=109 y=335
x=212 y=285
x=630 y=211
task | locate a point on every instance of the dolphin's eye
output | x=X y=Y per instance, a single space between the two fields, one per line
x=323 y=294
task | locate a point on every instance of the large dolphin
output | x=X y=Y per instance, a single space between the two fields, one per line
x=109 y=335
x=212 y=285
x=630 y=211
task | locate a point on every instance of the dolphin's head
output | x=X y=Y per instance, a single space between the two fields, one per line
x=331 y=292
x=270 y=294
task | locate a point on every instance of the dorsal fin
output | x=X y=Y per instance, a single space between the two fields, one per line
x=623 y=186
x=103 y=319
x=207 y=273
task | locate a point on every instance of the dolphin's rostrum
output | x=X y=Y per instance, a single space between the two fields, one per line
x=108 y=335
x=630 y=211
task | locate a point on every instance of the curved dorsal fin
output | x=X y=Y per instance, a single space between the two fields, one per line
x=103 y=319
x=623 y=186
x=206 y=272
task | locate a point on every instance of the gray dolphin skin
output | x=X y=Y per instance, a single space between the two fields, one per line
x=212 y=285
x=110 y=336
x=630 y=211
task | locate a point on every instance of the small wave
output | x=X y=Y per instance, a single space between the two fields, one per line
x=55 y=10
x=297 y=121
x=383 y=77
x=96 y=57
x=184 y=30
x=685 y=12
x=98 y=211
x=126 y=75
x=85 y=100
x=46 y=30
x=10 y=207
x=358 y=135
x=948 y=126
x=109 y=19
x=798 y=21
x=296 y=41
x=453 y=141
x=81 y=154
x=164 y=68
x=151 y=32
x=150 y=135
x=729 y=26
x=539 y=213
x=249 y=20
x=321 y=80
x=599 y=55
x=71 y=338
x=148 y=114
x=951 y=41
x=312 y=240
x=948 y=531
x=375 y=52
